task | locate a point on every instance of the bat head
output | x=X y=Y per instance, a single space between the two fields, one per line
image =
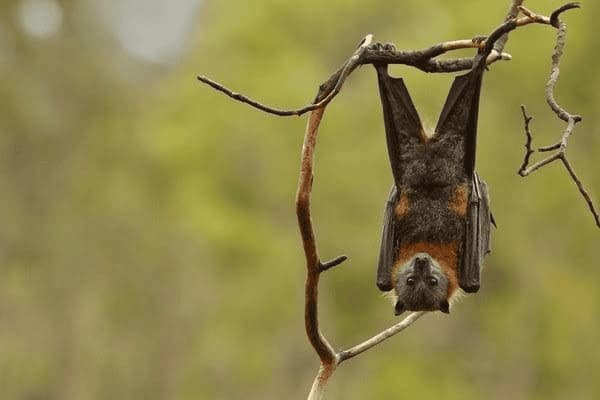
x=421 y=285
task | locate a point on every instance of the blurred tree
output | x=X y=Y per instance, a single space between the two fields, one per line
x=149 y=246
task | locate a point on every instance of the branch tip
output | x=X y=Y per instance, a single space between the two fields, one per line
x=332 y=263
x=554 y=21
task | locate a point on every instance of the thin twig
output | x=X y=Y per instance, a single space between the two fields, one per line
x=529 y=151
x=349 y=66
x=513 y=12
x=582 y=190
x=380 y=337
x=324 y=266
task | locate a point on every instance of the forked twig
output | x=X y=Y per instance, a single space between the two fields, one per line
x=560 y=147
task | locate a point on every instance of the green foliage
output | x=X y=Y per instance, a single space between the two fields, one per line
x=149 y=246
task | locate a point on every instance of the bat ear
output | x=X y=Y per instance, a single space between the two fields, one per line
x=445 y=307
x=399 y=309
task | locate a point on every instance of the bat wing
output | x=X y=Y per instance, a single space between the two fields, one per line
x=457 y=127
x=477 y=236
x=390 y=242
x=402 y=122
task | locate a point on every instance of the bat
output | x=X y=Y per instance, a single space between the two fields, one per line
x=437 y=217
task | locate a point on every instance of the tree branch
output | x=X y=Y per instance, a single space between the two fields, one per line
x=424 y=59
x=560 y=147
x=380 y=337
x=513 y=12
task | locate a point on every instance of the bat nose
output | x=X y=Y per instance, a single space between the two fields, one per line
x=422 y=263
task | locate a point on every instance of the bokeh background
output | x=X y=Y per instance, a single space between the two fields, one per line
x=149 y=247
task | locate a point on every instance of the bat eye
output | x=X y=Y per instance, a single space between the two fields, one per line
x=433 y=281
x=410 y=281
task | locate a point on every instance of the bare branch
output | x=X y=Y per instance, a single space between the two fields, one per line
x=527 y=119
x=554 y=73
x=324 y=266
x=556 y=13
x=571 y=119
x=424 y=59
x=311 y=319
x=318 y=387
x=513 y=12
x=582 y=190
x=380 y=337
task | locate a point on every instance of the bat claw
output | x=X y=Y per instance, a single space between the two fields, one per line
x=383 y=47
x=479 y=39
x=389 y=47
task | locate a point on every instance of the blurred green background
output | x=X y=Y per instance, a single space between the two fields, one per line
x=149 y=247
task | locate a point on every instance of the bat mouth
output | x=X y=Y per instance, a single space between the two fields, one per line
x=401 y=307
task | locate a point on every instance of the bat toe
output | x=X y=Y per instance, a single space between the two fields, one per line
x=378 y=46
x=389 y=47
x=479 y=39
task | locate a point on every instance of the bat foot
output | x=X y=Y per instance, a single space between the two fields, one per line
x=383 y=47
x=479 y=39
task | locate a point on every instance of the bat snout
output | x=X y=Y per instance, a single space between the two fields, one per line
x=422 y=264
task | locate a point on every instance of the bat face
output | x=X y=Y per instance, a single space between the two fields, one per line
x=421 y=285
